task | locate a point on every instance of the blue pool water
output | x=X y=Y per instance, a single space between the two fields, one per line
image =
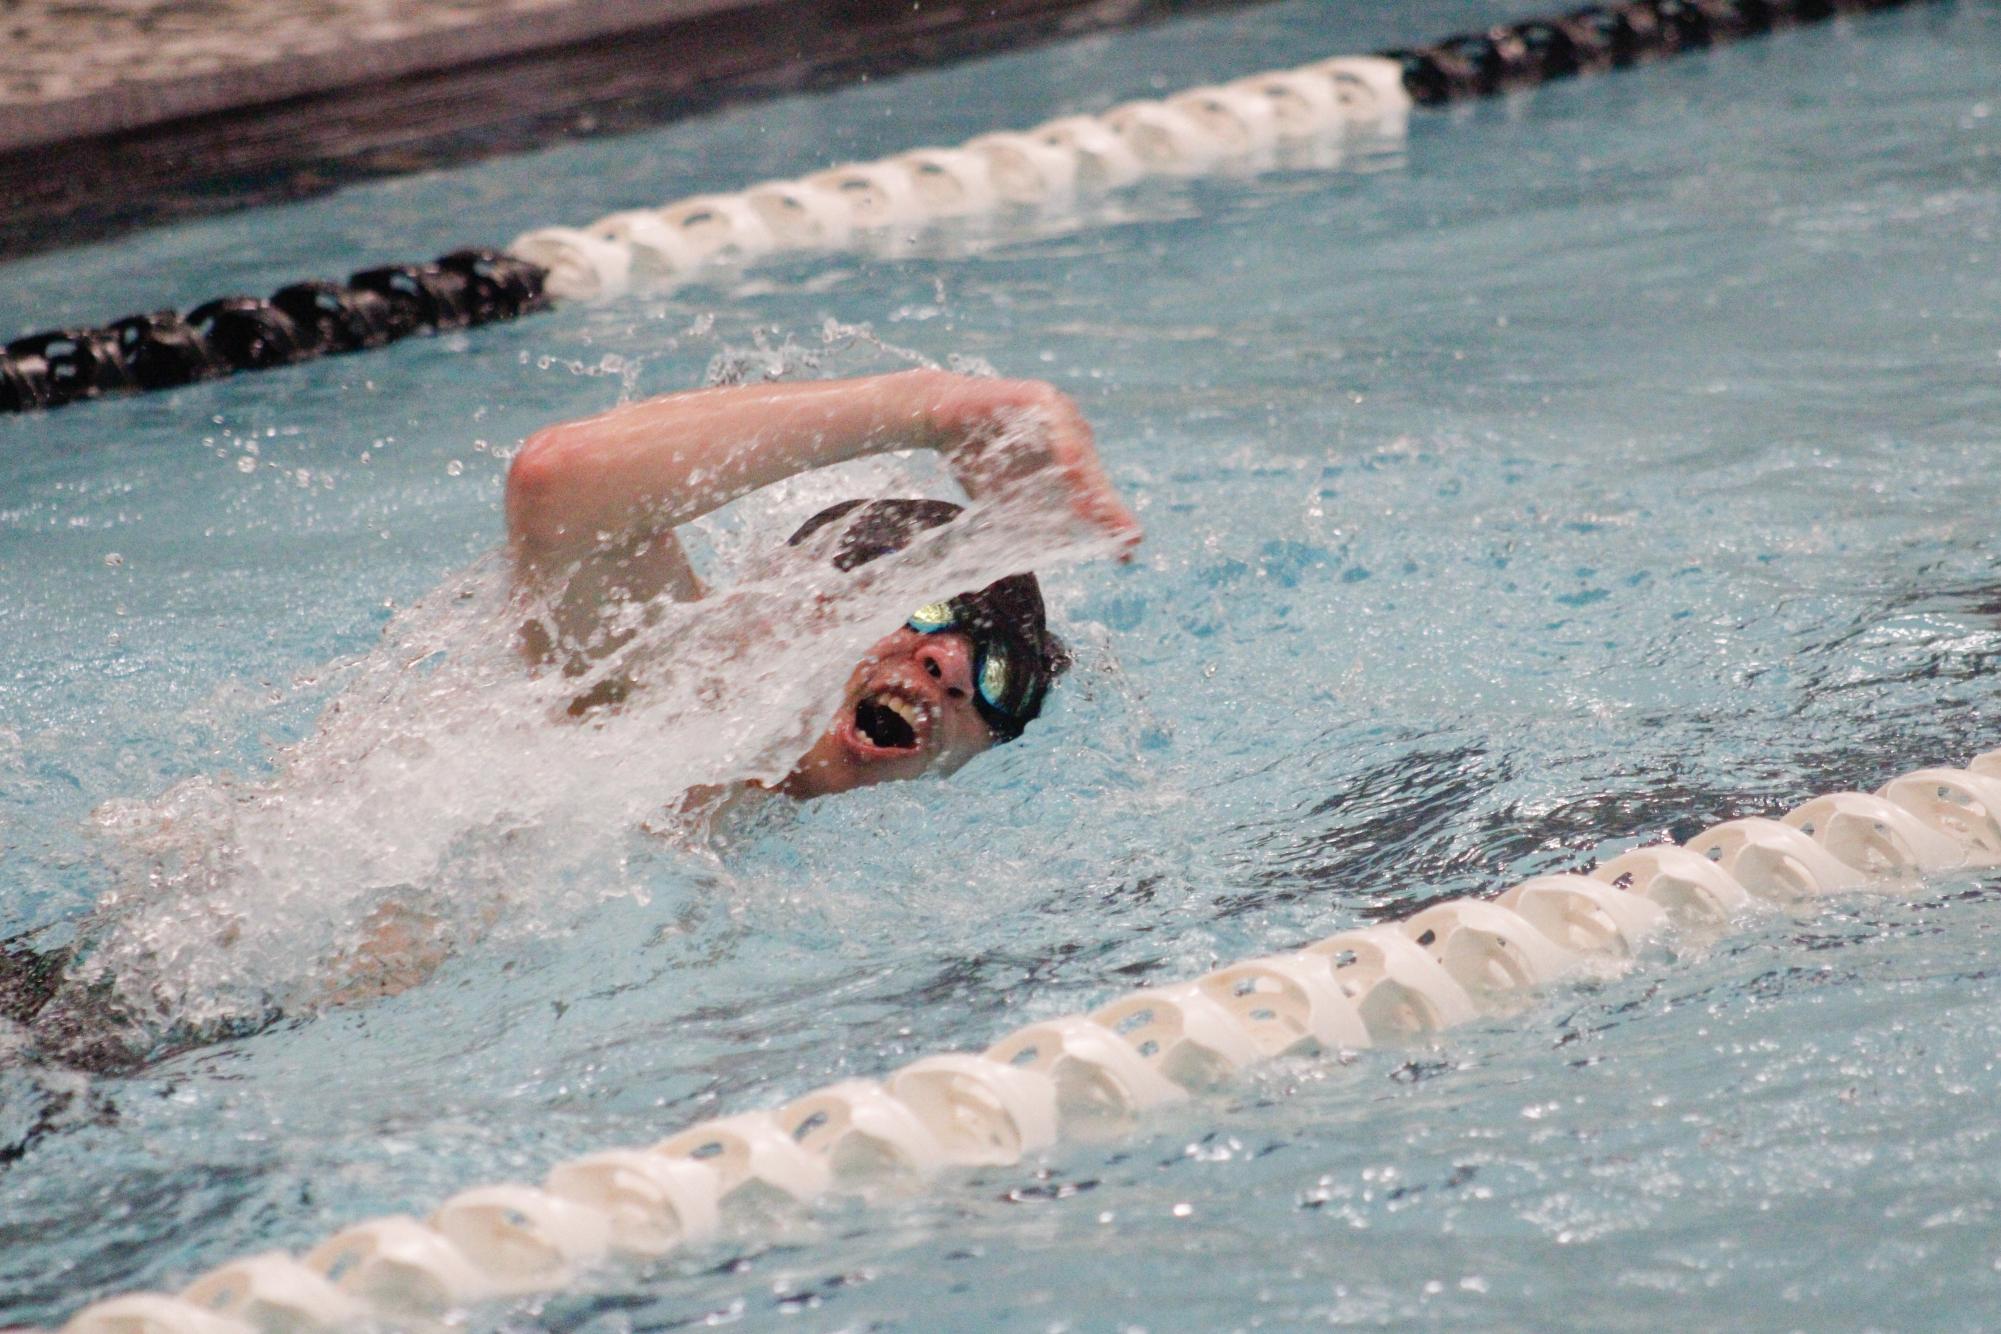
x=1606 y=463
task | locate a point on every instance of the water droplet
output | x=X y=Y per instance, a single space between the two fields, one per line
x=113 y=559
x=244 y=463
x=454 y=468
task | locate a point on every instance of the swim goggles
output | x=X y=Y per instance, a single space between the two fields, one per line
x=1001 y=680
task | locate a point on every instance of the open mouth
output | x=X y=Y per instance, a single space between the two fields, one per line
x=887 y=721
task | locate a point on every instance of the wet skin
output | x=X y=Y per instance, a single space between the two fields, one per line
x=907 y=709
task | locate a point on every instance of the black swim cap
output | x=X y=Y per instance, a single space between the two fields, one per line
x=1009 y=609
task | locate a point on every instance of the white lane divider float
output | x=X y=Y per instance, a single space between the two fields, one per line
x=1249 y=124
x=1087 y=1074
x=1105 y=161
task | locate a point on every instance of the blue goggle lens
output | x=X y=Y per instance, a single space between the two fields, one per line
x=932 y=617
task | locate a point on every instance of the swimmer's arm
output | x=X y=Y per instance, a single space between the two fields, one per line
x=398 y=949
x=643 y=469
x=633 y=474
x=592 y=504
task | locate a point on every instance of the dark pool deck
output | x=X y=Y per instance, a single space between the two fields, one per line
x=120 y=113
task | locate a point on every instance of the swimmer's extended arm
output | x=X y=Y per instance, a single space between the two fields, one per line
x=597 y=499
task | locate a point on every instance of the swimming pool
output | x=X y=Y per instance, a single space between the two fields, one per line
x=1608 y=463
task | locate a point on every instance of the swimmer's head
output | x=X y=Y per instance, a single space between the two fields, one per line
x=962 y=674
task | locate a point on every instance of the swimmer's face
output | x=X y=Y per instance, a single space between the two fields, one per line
x=907 y=710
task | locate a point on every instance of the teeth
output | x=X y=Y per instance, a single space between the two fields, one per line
x=903 y=709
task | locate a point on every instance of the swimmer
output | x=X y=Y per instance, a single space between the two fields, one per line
x=592 y=508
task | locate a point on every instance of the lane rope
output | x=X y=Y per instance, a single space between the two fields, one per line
x=1277 y=118
x=1094 y=1074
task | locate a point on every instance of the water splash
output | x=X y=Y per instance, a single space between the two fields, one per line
x=449 y=793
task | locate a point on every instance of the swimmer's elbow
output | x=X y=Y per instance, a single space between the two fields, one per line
x=536 y=482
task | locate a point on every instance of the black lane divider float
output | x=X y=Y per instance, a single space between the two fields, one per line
x=467 y=287
x=1597 y=38
x=164 y=350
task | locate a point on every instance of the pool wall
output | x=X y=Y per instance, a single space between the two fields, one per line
x=167 y=111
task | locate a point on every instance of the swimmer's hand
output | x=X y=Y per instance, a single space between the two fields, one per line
x=398 y=949
x=1004 y=436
